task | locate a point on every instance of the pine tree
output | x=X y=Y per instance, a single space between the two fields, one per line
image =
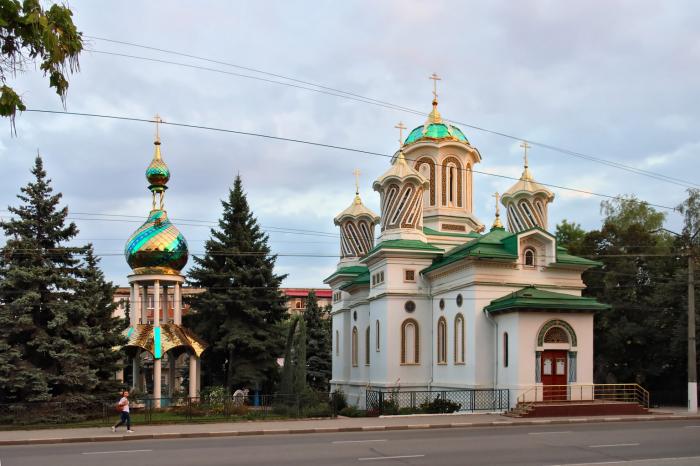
x=241 y=311
x=105 y=332
x=38 y=276
x=286 y=385
x=318 y=345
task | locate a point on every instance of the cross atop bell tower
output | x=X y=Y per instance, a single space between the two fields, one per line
x=158 y=121
x=435 y=79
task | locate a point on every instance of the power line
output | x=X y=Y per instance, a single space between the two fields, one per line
x=368 y=100
x=318 y=144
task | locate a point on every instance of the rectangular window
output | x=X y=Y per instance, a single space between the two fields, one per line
x=409 y=275
x=505 y=349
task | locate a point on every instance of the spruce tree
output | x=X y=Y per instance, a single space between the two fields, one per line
x=38 y=277
x=318 y=345
x=105 y=331
x=241 y=311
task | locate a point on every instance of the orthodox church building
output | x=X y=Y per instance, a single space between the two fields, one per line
x=443 y=301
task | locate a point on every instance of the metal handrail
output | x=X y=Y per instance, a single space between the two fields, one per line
x=621 y=392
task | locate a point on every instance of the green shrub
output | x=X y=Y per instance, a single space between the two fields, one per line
x=408 y=410
x=440 y=406
x=338 y=400
x=351 y=411
x=318 y=410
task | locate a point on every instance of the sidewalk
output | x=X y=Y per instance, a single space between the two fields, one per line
x=307 y=426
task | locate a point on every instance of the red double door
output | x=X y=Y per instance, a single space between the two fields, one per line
x=553 y=371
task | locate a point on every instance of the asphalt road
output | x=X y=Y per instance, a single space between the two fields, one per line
x=632 y=443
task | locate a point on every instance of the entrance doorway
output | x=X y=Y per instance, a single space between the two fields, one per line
x=553 y=372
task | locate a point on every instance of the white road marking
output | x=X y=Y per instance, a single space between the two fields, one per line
x=547 y=433
x=654 y=461
x=358 y=441
x=692 y=427
x=615 y=445
x=377 y=458
x=115 y=451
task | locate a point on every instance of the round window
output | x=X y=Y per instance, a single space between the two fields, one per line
x=354 y=315
x=459 y=300
x=442 y=304
x=410 y=306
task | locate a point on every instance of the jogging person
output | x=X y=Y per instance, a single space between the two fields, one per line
x=123 y=408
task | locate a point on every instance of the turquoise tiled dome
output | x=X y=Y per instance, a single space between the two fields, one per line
x=436 y=131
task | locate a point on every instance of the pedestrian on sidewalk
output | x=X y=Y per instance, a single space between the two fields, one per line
x=123 y=408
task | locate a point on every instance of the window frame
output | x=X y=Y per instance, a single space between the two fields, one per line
x=442 y=341
x=459 y=343
x=530 y=251
x=416 y=342
x=354 y=344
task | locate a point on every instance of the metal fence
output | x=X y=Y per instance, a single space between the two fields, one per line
x=171 y=410
x=436 y=401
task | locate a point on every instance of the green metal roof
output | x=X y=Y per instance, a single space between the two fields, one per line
x=352 y=270
x=531 y=298
x=563 y=257
x=499 y=244
x=410 y=244
x=436 y=131
x=431 y=232
x=360 y=280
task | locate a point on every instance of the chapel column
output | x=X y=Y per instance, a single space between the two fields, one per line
x=156 y=329
x=193 y=376
x=177 y=304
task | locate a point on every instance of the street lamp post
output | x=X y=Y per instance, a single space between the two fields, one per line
x=692 y=361
x=692 y=358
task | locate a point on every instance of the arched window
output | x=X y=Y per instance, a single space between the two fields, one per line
x=297 y=304
x=354 y=347
x=442 y=341
x=556 y=335
x=410 y=342
x=459 y=339
x=377 y=334
x=505 y=349
x=529 y=257
x=367 y=346
x=337 y=343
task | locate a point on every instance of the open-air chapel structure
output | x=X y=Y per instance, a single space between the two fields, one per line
x=443 y=301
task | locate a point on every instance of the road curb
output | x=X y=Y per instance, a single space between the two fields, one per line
x=329 y=430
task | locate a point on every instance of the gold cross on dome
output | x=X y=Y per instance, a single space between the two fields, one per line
x=525 y=146
x=356 y=172
x=400 y=127
x=435 y=79
x=157 y=120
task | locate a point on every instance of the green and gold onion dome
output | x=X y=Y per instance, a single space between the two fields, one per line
x=157 y=172
x=434 y=129
x=157 y=247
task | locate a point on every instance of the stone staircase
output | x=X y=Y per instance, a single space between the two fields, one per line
x=576 y=408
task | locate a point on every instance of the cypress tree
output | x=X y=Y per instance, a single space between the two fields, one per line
x=241 y=311
x=105 y=332
x=318 y=345
x=38 y=277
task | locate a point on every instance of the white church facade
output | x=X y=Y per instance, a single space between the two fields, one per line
x=442 y=302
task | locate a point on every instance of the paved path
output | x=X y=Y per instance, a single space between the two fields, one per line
x=305 y=426
x=663 y=443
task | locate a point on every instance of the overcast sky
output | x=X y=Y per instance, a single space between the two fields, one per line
x=613 y=79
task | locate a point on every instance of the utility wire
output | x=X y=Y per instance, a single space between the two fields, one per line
x=327 y=146
x=368 y=100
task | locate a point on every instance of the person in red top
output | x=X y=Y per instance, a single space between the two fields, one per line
x=123 y=407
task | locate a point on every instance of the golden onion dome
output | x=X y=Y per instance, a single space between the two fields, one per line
x=157 y=172
x=157 y=246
